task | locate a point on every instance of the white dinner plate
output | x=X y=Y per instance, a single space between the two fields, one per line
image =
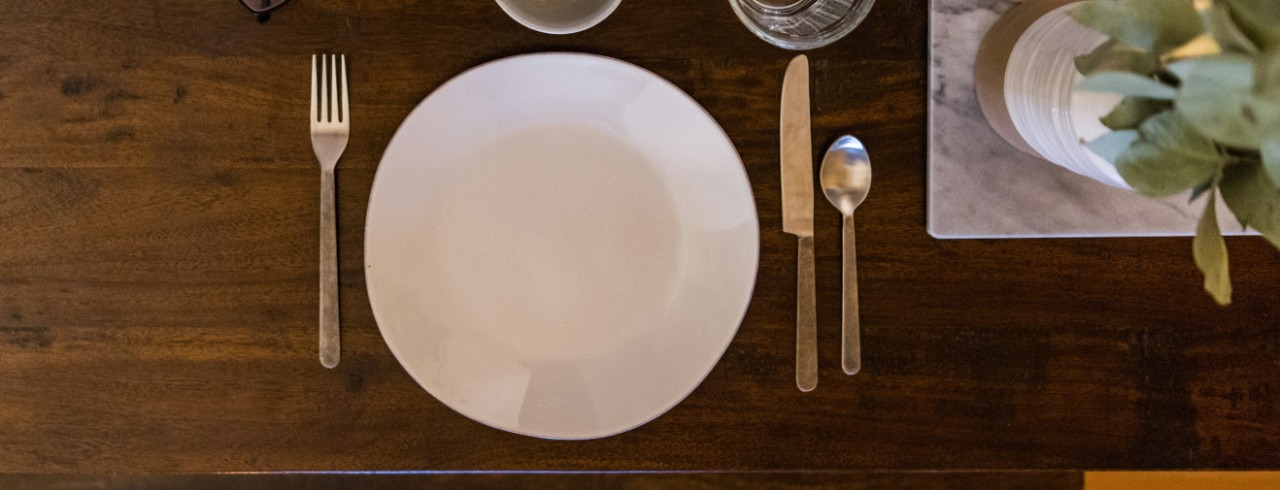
x=560 y=245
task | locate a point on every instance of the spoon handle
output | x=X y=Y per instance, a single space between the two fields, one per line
x=806 y=318
x=851 y=350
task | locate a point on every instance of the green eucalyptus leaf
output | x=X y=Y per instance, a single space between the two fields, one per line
x=1266 y=76
x=1219 y=23
x=1170 y=158
x=1131 y=111
x=1258 y=19
x=1265 y=108
x=1210 y=252
x=1111 y=145
x=1182 y=70
x=1154 y=25
x=1129 y=84
x=1199 y=191
x=1253 y=197
x=1271 y=158
x=1116 y=56
x=1214 y=97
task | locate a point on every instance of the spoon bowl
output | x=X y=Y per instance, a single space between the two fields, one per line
x=846 y=174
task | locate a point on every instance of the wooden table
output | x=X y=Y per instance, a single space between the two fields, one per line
x=158 y=227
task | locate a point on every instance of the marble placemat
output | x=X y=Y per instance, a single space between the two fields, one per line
x=981 y=187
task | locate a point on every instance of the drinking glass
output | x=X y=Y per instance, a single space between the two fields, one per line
x=801 y=24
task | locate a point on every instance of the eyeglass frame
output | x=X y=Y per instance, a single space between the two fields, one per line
x=263 y=13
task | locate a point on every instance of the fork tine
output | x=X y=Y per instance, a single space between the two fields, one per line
x=324 y=89
x=346 y=94
x=333 y=88
x=314 y=102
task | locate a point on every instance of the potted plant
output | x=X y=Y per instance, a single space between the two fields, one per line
x=1201 y=109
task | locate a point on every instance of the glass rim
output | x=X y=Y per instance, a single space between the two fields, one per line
x=843 y=27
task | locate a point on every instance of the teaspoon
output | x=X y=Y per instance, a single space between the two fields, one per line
x=846 y=179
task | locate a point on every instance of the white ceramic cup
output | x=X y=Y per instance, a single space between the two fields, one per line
x=559 y=16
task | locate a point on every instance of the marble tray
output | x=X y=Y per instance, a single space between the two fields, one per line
x=981 y=187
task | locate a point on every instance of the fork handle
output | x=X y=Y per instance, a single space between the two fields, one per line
x=330 y=341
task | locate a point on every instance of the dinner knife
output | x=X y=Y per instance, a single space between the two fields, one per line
x=797 y=213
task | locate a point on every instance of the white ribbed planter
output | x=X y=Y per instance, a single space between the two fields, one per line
x=1026 y=81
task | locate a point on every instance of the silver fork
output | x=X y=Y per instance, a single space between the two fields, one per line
x=330 y=130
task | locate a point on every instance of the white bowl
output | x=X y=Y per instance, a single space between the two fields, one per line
x=559 y=16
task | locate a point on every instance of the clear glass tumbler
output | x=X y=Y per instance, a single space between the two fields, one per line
x=801 y=24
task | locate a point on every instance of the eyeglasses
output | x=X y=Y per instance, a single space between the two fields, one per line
x=263 y=7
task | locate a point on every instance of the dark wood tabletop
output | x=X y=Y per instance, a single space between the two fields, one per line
x=1009 y=480
x=158 y=257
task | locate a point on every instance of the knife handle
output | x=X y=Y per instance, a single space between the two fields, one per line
x=806 y=318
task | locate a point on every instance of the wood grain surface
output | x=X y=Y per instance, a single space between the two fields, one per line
x=1032 y=480
x=158 y=222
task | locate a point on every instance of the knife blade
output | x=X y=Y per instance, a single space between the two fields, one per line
x=797 y=213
